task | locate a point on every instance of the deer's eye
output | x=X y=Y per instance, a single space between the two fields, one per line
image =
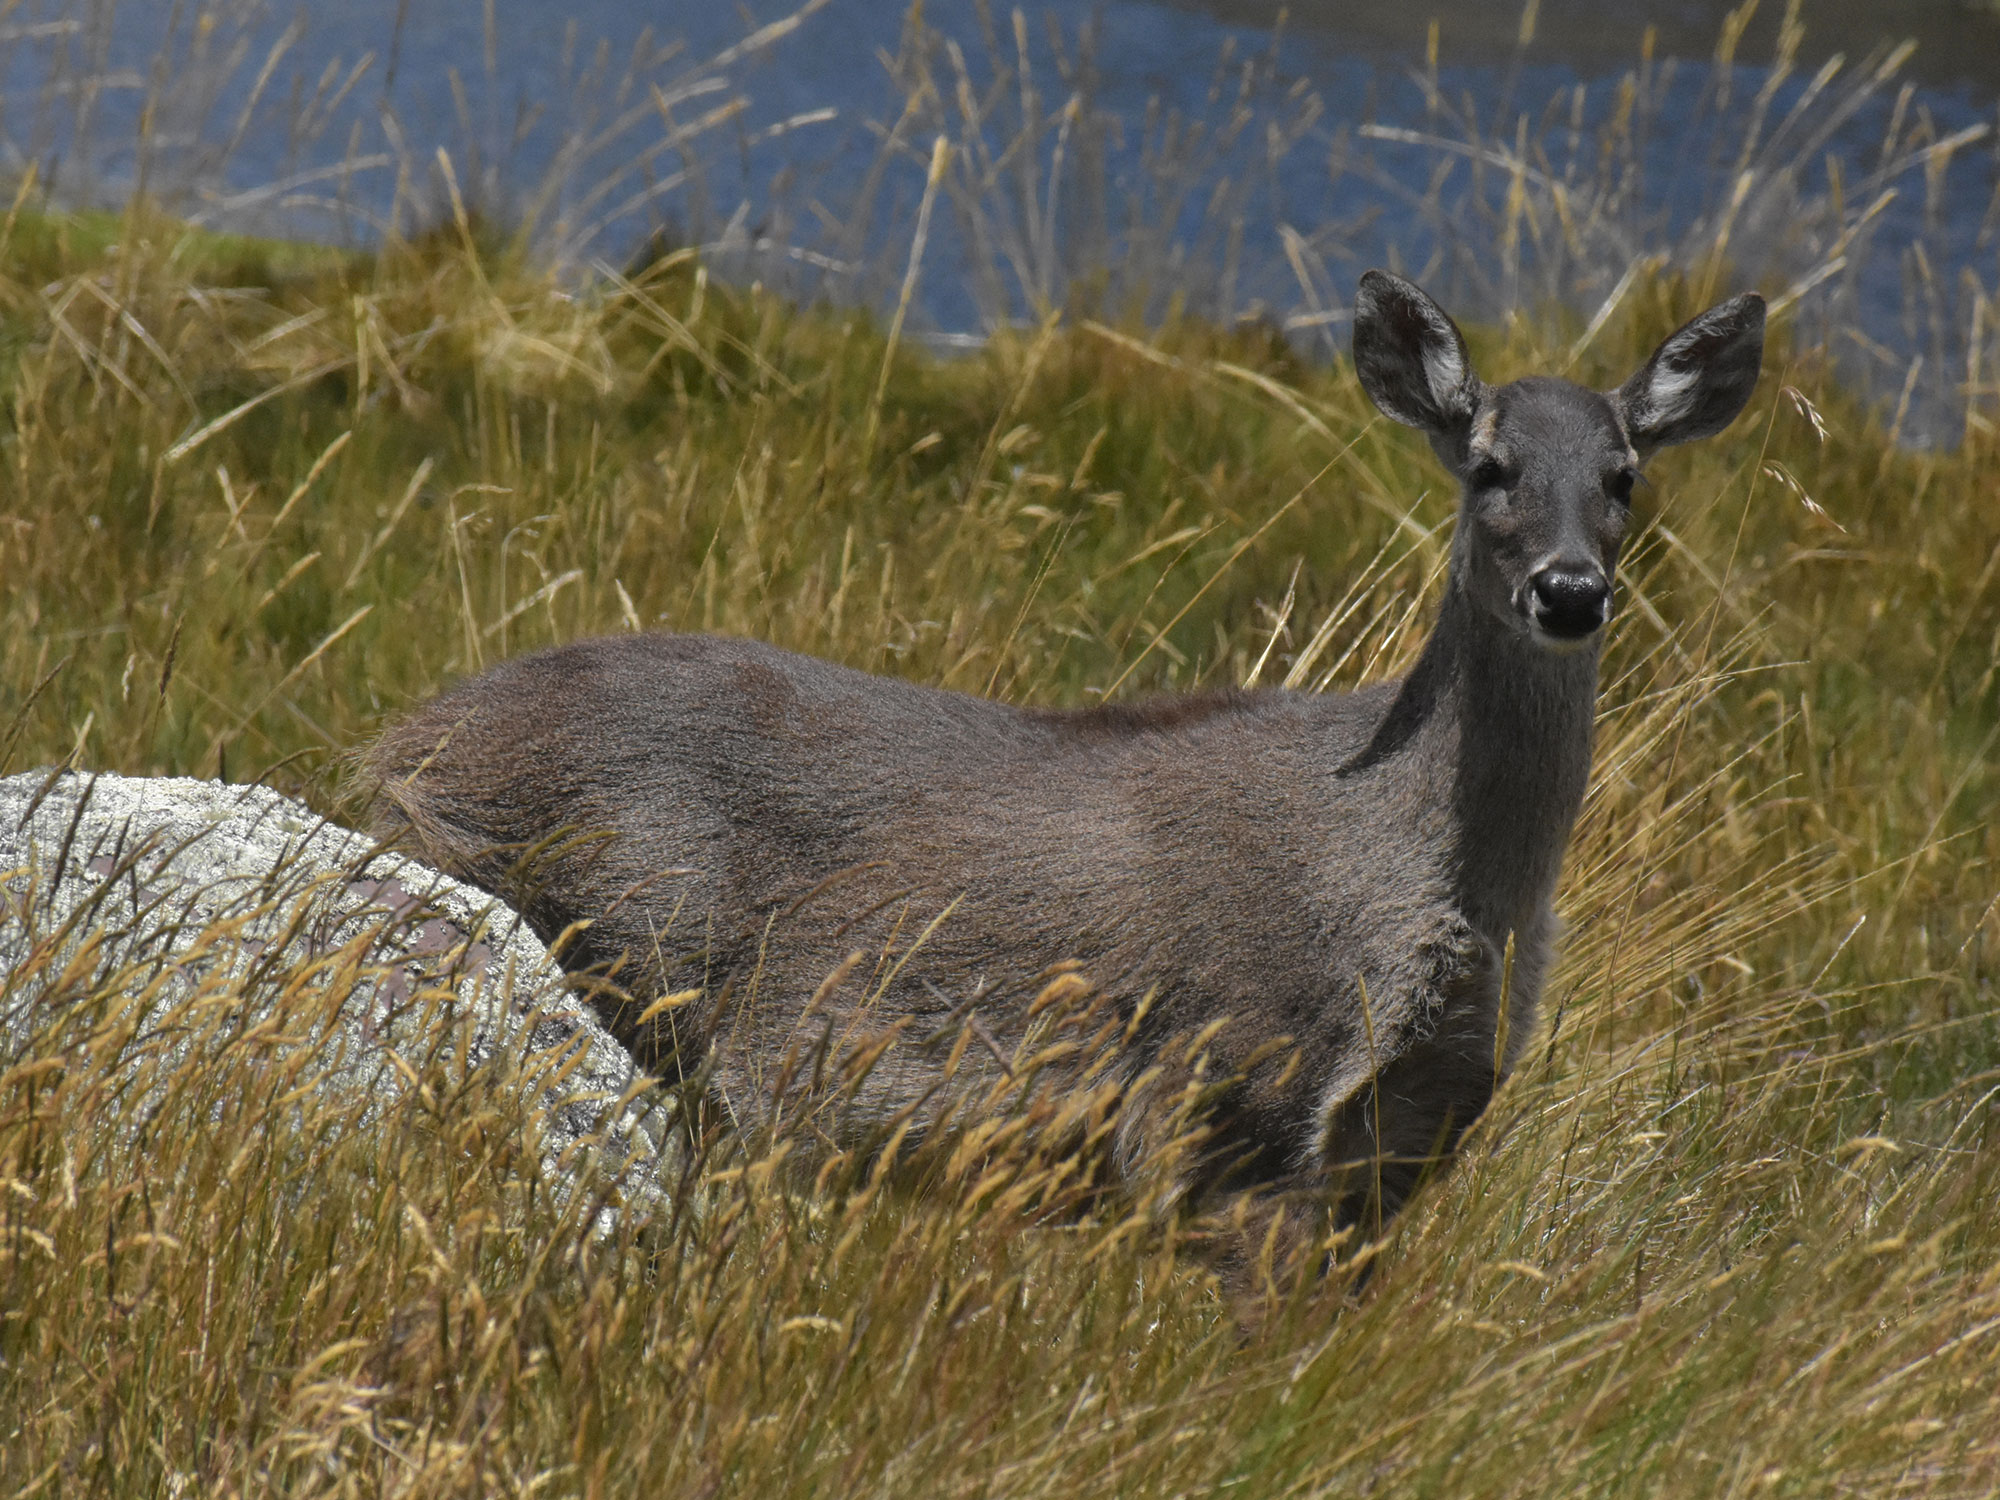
x=1487 y=474
x=1618 y=484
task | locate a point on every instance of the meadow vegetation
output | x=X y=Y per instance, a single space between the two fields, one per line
x=1730 y=1230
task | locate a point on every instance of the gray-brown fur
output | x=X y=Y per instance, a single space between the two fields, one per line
x=735 y=818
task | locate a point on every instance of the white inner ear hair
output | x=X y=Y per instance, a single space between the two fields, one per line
x=1668 y=391
x=1445 y=370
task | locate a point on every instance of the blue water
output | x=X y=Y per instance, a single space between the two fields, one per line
x=509 y=88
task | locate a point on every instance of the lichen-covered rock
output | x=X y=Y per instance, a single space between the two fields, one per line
x=230 y=915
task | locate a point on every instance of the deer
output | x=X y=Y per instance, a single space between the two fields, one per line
x=1345 y=898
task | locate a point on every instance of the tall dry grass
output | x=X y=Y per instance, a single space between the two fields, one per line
x=1728 y=1230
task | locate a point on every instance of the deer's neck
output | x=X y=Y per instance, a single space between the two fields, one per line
x=1500 y=735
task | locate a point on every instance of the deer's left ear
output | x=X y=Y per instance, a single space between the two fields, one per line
x=1698 y=380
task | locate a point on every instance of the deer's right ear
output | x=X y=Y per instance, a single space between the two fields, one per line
x=1411 y=358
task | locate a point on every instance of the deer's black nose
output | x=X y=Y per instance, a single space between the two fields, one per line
x=1571 y=603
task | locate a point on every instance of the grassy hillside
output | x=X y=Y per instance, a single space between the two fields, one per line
x=1730 y=1231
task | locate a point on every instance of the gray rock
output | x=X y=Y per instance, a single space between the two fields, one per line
x=234 y=916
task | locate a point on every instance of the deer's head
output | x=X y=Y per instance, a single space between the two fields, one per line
x=1547 y=466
